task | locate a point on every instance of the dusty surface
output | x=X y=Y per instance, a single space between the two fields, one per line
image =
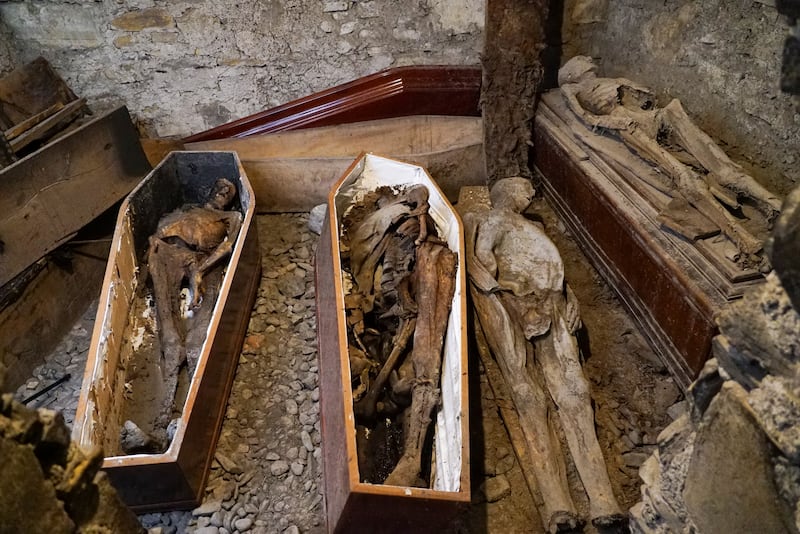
x=267 y=476
x=48 y=484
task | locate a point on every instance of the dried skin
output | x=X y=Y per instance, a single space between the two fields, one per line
x=402 y=276
x=186 y=245
x=435 y=273
x=520 y=296
x=699 y=171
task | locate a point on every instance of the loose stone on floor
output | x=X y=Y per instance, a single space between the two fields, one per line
x=266 y=473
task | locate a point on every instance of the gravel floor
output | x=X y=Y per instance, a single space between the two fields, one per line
x=266 y=477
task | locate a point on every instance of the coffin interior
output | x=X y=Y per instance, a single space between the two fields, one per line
x=369 y=173
x=182 y=178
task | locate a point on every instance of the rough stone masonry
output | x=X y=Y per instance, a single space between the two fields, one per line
x=182 y=67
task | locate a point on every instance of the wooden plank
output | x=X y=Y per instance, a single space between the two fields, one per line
x=22 y=127
x=50 y=194
x=158 y=149
x=335 y=460
x=293 y=171
x=683 y=219
x=36 y=321
x=396 y=92
x=289 y=185
x=49 y=125
x=508 y=412
x=399 y=135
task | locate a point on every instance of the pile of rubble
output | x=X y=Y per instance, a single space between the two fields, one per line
x=51 y=485
x=732 y=464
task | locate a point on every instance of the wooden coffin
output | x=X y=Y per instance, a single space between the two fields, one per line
x=395 y=92
x=49 y=195
x=671 y=286
x=176 y=478
x=352 y=505
x=294 y=171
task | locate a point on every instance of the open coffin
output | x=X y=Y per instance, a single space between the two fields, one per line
x=351 y=504
x=125 y=335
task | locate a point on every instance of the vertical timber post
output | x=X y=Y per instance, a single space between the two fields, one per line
x=512 y=75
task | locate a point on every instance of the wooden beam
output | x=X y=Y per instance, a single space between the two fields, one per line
x=512 y=75
x=19 y=129
x=294 y=171
x=47 y=126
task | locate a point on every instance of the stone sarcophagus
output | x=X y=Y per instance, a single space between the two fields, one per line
x=128 y=375
x=358 y=496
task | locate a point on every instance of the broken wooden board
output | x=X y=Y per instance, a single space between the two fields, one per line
x=19 y=129
x=47 y=126
x=294 y=171
x=351 y=504
x=46 y=197
x=670 y=287
x=680 y=217
x=29 y=90
x=176 y=478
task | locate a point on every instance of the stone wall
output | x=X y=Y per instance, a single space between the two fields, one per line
x=721 y=59
x=189 y=65
x=185 y=66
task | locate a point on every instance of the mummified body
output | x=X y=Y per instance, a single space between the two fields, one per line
x=529 y=317
x=404 y=280
x=186 y=245
x=695 y=167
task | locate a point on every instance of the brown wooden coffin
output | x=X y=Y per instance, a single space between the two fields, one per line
x=46 y=197
x=395 y=92
x=351 y=505
x=176 y=478
x=669 y=285
x=294 y=171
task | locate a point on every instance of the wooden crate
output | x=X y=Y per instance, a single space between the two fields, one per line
x=35 y=105
x=46 y=199
x=176 y=478
x=351 y=505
